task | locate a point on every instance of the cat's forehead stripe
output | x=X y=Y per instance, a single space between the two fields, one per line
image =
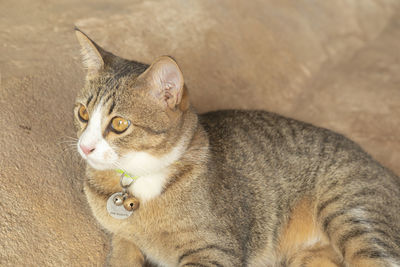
x=111 y=95
x=89 y=99
x=103 y=94
x=97 y=95
x=111 y=108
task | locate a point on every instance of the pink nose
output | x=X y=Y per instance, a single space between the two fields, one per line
x=86 y=150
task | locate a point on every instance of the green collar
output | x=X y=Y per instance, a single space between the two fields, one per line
x=125 y=174
x=128 y=175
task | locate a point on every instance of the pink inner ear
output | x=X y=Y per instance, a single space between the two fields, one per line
x=170 y=78
x=166 y=81
x=167 y=92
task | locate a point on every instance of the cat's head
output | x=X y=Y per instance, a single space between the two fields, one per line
x=129 y=115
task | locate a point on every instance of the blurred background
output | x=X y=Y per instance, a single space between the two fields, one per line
x=335 y=64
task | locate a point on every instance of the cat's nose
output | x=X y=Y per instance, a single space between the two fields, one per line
x=86 y=150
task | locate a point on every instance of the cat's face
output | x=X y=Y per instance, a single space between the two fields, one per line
x=128 y=114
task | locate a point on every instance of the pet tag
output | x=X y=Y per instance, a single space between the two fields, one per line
x=117 y=211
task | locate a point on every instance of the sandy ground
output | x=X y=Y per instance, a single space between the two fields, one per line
x=332 y=63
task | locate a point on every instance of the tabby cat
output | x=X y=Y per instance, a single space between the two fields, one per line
x=226 y=188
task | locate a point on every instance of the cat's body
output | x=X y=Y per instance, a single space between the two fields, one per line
x=229 y=188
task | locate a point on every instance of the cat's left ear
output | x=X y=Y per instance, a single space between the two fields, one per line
x=165 y=80
x=91 y=52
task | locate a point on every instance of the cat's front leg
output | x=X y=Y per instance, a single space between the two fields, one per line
x=124 y=253
x=209 y=256
x=207 y=263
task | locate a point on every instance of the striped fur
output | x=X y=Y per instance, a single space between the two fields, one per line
x=232 y=188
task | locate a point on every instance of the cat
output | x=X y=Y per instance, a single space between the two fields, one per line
x=225 y=188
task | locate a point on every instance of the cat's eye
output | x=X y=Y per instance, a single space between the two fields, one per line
x=83 y=114
x=119 y=125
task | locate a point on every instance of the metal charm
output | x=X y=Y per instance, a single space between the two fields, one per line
x=117 y=212
x=131 y=204
x=120 y=205
x=118 y=200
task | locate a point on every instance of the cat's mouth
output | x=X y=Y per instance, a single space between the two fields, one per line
x=99 y=164
x=104 y=161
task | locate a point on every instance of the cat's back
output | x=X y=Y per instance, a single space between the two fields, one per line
x=266 y=134
x=257 y=126
x=266 y=144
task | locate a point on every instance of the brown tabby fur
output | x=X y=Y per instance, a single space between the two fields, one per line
x=251 y=189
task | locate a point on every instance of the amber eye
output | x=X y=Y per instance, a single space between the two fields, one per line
x=119 y=125
x=83 y=114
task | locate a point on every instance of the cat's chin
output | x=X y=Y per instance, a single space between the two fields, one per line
x=100 y=166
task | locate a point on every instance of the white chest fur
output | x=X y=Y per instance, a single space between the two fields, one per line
x=149 y=186
x=153 y=171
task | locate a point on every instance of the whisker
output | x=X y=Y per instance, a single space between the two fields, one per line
x=69 y=138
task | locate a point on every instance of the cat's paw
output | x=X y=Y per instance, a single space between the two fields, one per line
x=117 y=261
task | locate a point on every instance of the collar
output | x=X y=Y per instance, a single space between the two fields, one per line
x=133 y=177
x=127 y=175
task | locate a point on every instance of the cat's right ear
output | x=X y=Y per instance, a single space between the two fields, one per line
x=165 y=82
x=91 y=53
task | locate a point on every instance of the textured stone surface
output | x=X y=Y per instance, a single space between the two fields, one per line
x=333 y=63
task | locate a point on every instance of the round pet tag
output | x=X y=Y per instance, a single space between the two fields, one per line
x=117 y=212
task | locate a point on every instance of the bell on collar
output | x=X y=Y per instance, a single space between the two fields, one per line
x=131 y=204
x=118 y=200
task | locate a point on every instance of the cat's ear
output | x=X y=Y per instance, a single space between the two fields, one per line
x=165 y=80
x=91 y=53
